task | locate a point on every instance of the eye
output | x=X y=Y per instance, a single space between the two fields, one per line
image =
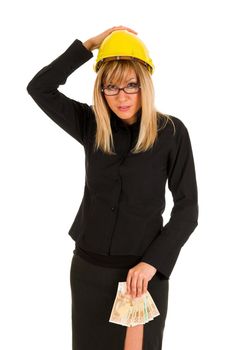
x=111 y=87
x=132 y=85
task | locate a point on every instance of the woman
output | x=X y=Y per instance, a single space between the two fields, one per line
x=131 y=150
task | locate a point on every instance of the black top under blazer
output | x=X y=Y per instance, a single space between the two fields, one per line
x=124 y=194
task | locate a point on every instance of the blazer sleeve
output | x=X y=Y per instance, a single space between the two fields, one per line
x=70 y=115
x=165 y=248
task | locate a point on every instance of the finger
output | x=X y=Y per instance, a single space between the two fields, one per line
x=123 y=27
x=139 y=286
x=131 y=30
x=134 y=286
x=128 y=282
x=145 y=286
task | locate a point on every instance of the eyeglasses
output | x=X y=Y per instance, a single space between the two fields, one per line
x=112 y=90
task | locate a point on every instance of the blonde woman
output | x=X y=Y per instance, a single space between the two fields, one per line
x=131 y=151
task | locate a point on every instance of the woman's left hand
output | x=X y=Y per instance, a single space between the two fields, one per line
x=138 y=278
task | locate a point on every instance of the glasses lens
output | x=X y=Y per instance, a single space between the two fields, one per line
x=110 y=92
x=132 y=88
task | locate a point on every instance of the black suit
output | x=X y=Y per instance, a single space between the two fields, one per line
x=124 y=194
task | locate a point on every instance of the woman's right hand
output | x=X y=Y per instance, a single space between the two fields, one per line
x=95 y=42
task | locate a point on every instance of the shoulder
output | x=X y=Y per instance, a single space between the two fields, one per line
x=171 y=124
x=173 y=132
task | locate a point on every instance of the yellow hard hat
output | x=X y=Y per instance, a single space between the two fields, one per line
x=122 y=44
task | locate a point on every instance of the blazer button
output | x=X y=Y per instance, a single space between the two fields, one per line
x=113 y=208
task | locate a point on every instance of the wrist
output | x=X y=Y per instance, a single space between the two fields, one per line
x=88 y=44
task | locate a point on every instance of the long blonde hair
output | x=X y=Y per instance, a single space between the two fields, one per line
x=116 y=71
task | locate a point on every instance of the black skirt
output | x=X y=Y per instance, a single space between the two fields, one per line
x=93 y=290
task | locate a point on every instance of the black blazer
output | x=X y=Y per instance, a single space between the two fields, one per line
x=124 y=194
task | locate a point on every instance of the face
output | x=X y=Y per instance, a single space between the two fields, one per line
x=124 y=105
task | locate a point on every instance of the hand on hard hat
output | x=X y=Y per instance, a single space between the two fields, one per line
x=95 y=42
x=123 y=44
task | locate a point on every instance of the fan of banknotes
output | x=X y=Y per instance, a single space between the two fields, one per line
x=129 y=311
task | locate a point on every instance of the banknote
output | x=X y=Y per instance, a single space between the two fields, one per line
x=129 y=311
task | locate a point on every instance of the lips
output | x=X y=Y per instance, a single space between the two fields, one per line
x=123 y=108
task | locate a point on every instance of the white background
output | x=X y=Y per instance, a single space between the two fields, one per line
x=42 y=167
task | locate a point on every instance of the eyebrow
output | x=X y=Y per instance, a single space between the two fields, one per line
x=126 y=80
x=132 y=78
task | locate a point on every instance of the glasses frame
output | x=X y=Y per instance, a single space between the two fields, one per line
x=118 y=91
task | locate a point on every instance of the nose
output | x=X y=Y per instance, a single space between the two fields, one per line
x=122 y=95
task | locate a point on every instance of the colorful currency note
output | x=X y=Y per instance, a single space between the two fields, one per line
x=129 y=311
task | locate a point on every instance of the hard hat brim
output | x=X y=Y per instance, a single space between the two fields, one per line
x=117 y=58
